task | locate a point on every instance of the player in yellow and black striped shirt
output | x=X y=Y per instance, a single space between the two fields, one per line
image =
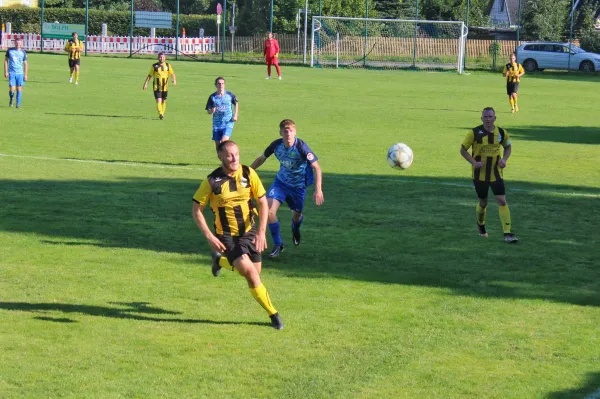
x=74 y=47
x=513 y=72
x=231 y=190
x=486 y=141
x=159 y=73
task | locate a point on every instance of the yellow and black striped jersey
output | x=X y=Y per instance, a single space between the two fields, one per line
x=513 y=70
x=74 y=48
x=160 y=75
x=486 y=148
x=231 y=198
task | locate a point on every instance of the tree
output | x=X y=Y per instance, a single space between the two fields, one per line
x=546 y=20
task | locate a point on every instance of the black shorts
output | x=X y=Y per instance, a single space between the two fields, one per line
x=72 y=63
x=238 y=246
x=161 y=94
x=482 y=188
x=512 y=87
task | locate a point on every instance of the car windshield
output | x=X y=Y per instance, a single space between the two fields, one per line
x=576 y=49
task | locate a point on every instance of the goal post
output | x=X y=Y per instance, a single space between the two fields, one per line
x=387 y=43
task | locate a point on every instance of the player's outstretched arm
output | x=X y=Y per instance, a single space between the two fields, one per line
x=258 y=162
x=260 y=241
x=319 y=198
x=198 y=216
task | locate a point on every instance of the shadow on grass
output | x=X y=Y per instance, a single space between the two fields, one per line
x=572 y=76
x=388 y=229
x=558 y=134
x=590 y=389
x=131 y=311
x=99 y=115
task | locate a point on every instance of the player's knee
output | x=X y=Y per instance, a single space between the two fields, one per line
x=502 y=201
x=483 y=202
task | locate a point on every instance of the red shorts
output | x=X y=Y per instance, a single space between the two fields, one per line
x=272 y=61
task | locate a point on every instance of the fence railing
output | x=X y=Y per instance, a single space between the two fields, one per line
x=117 y=44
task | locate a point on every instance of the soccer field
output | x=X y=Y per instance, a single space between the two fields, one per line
x=105 y=282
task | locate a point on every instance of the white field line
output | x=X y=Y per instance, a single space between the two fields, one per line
x=370 y=178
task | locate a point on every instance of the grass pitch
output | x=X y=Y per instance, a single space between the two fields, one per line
x=105 y=281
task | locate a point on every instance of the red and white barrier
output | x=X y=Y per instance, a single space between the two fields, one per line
x=118 y=44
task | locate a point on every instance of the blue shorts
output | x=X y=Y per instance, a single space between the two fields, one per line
x=15 y=80
x=293 y=196
x=220 y=132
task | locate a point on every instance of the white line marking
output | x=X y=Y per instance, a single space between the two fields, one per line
x=595 y=395
x=370 y=178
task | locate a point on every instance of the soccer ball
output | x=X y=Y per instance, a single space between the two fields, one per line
x=400 y=156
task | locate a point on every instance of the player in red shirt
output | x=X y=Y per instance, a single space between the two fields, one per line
x=271 y=53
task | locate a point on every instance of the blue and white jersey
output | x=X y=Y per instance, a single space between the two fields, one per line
x=15 y=57
x=224 y=105
x=294 y=163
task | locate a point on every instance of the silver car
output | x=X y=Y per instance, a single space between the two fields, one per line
x=537 y=56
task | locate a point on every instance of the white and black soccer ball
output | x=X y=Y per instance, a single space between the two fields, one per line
x=400 y=156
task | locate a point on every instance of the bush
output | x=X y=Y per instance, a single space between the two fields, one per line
x=25 y=19
x=590 y=41
x=495 y=49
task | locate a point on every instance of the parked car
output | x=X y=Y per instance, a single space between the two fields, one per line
x=537 y=56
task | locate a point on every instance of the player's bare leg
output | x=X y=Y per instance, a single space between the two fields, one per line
x=275 y=228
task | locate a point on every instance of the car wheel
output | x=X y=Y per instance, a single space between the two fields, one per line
x=530 y=65
x=586 y=66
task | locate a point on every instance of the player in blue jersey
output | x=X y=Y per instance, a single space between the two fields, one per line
x=15 y=69
x=297 y=162
x=223 y=106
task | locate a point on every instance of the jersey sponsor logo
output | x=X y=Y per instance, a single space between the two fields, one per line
x=310 y=156
x=244 y=182
x=499 y=137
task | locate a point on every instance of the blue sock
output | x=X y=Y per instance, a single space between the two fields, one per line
x=11 y=94
x=275 y=233
x=19 y=97
x=296 y=226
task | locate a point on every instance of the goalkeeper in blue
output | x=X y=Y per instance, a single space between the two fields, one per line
x=297 y=163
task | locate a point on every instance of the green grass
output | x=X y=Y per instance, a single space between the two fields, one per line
x=105 y=281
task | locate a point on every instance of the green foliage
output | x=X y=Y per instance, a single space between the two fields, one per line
x=546 y=20
x=590 y=41
x=455 y=10
x=495 y=49
x=26 y=19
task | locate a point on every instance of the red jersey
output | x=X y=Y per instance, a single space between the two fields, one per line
x=271 y=48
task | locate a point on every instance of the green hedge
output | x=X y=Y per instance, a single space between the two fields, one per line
x=27 y=20
x=590 y=41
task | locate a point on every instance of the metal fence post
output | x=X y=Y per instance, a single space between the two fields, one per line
x=42 y=29
x=366 y=33
x=131 y=31
x=177 y=33
x=223 y=36
x=87 y=14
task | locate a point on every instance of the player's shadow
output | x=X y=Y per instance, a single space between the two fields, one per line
x=98 y=115
x=573 y=76
x=139 y=311
x=389 y=229
x=558 y=134
x=589 y=389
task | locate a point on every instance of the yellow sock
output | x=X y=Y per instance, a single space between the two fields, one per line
x=515 y=100
x=159 y=107
x=77 y=76
x=262 y=297
x=480 y=212
x=512 y=102
x=504 y=218
x=71 y=74
x=223 y=262
x=164 y=107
